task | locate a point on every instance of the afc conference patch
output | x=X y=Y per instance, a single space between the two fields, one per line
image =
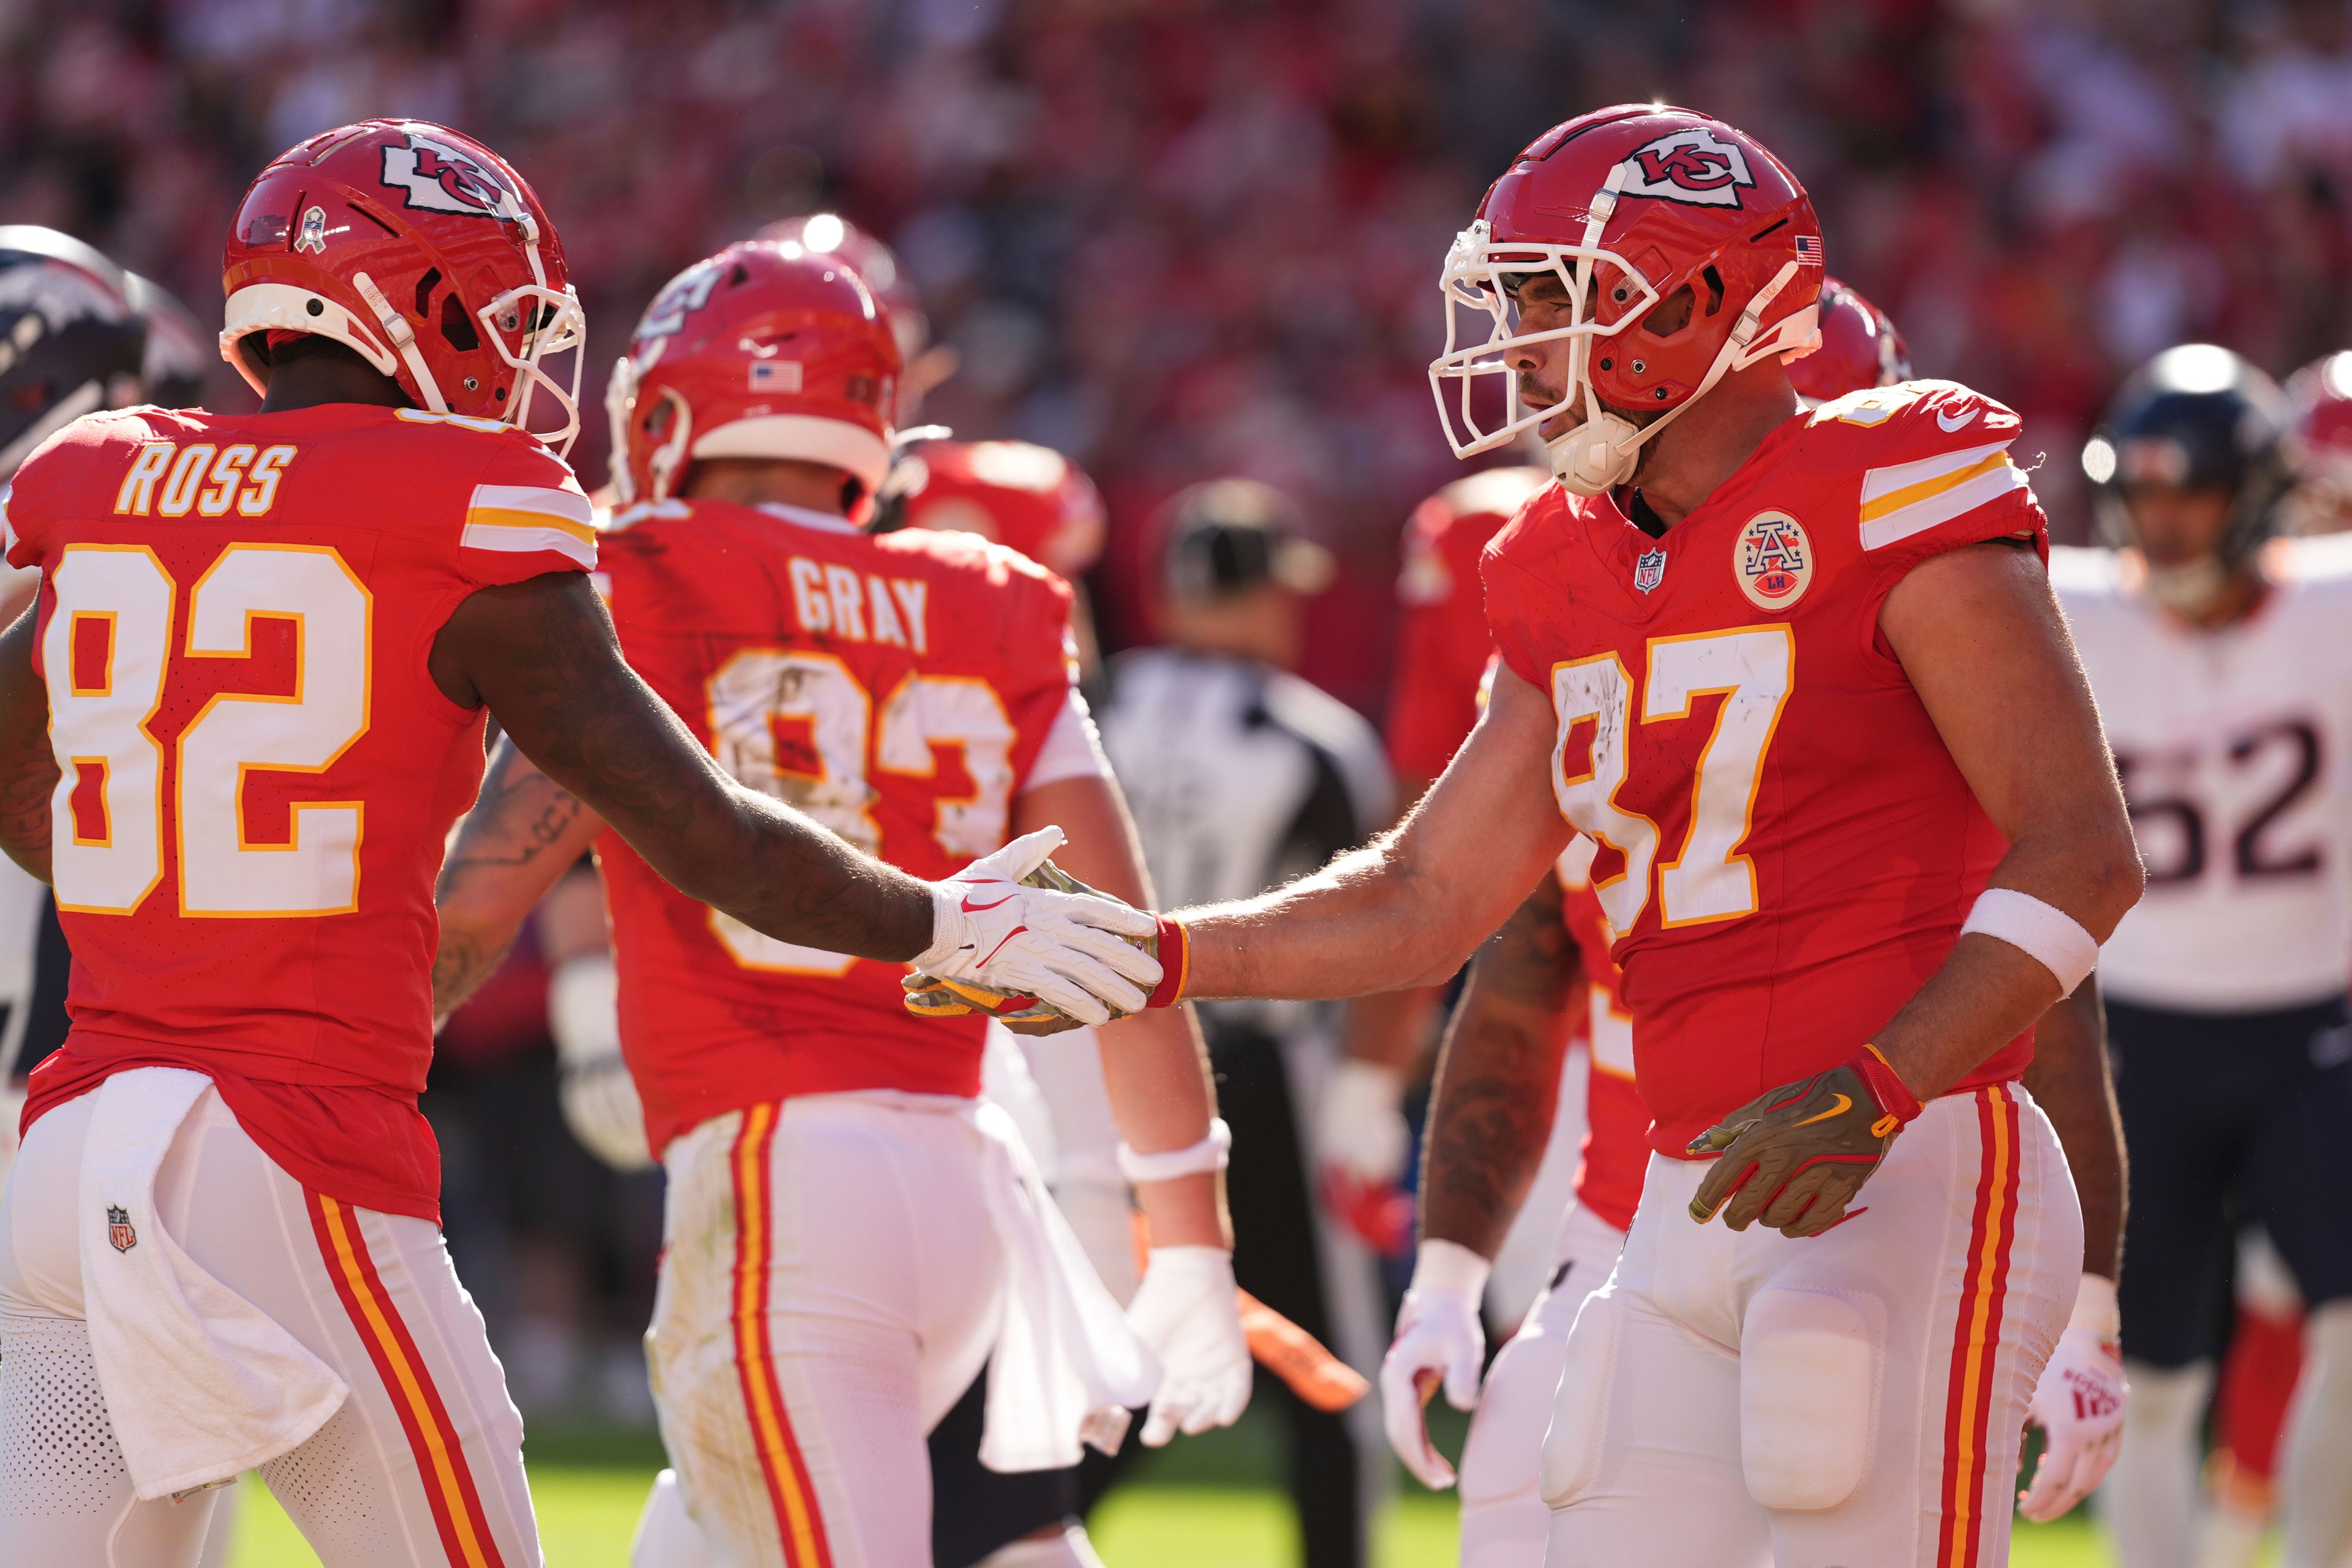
x=1773 y=560
x=1648 y=569
x=118 y=1229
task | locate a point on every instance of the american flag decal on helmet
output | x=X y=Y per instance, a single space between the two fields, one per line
x=1809 y=247
x=775 y=376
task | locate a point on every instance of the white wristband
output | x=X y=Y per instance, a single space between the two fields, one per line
x=1208 y=1155
x=2043 y=932
x=2095 y=1308
x=1448 y=1267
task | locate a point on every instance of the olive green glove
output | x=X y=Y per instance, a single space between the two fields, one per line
x=1795 y=1157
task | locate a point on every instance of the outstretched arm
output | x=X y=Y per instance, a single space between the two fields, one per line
x=28 y=768
x=542 y=655
x=525 y=831
x=1407 y=909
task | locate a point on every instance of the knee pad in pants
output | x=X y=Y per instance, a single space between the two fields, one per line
x=1576 y=1445
x=1808 y=1392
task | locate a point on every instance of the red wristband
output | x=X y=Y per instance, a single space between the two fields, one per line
x=1894 y=1096
x=1175 y=964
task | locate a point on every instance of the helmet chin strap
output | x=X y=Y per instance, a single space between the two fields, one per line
x=1600 y=453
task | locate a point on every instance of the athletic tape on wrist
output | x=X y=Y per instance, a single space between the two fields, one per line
x=1450 y=1268
x=1209 y=1154
x=2045 y=932
x=1175 y=963
x=2095 y=1308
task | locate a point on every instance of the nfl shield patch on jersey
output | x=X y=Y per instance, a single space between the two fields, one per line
x=1648 y=569
x=118 y=1229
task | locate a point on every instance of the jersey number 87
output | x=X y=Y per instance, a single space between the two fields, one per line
x=1751 y=667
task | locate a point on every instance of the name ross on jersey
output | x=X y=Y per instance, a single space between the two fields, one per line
x=203 y=477
x=834 y=601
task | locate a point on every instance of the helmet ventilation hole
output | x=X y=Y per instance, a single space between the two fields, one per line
x=457 y=327
x=424 y=293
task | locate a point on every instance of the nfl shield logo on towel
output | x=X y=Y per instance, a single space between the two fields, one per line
x=118 y=1229
x=1648 y=569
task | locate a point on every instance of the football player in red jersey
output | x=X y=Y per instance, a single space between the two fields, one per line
x=845 y=1236
x=1801 y=677
x=1487 y=1137
x=233 y=737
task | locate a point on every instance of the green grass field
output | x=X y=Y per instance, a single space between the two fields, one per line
x=1193 y=1507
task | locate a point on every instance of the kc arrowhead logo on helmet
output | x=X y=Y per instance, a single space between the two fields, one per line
x=435 y=176
x=1693 y=166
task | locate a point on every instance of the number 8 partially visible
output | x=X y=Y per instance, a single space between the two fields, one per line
x=102 y=696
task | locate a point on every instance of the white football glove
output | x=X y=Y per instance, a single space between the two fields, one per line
x=2079 y=1405
x=1062 y=948
x=1361 y=1127
x=1189 y=1311
x=1439 y=1338
x=599 y=1096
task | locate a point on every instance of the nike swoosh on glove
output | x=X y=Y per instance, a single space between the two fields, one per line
x=1795 y=1157
x=1188 y=1311
x=1067 y=949
x=2079 y=1405
x=1439 y=1338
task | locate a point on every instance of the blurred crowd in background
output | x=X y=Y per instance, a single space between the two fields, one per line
x=1177 y=238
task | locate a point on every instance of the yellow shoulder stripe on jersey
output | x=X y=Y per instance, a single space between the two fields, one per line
x=524 y=518
x=1905 y=498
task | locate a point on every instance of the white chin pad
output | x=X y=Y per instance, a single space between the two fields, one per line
x=1595 y=456
x=1807 y=1371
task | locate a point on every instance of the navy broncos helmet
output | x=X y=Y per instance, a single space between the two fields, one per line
x=2196 y=416
x=180 y=353
x=71 y=342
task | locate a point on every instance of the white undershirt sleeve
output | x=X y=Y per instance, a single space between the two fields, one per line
x=1073 y=748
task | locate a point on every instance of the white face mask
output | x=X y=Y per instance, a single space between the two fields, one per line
x=2190 y=588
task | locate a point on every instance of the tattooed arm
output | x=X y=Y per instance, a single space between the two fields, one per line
x=28 y=768
x=524 y=832
x=1498 y=1077
x=542 y=657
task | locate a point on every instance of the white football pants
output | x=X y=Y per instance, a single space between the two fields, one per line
x=1856 y=1398
x=420 y=1468
x=1504 y=1518
x=831 y=1284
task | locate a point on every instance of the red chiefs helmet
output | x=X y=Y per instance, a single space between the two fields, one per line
x=829 y=233
x=1860 y=348
x=422 y=251
x=1030 y=497
x=766 y=350
x=1630 y=208
x=2320 y=445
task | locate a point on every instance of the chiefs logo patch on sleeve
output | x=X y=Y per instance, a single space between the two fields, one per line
x=1693 y=166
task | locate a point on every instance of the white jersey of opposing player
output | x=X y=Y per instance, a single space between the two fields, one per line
x=2235 y=748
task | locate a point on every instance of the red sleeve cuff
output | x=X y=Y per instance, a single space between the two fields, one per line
x=1175 y=951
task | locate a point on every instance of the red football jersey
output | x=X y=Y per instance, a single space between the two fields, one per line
x=894 y=687
x=1617 y=1124
x=260 y=773
x=1442 y=644
x=1788 y=849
